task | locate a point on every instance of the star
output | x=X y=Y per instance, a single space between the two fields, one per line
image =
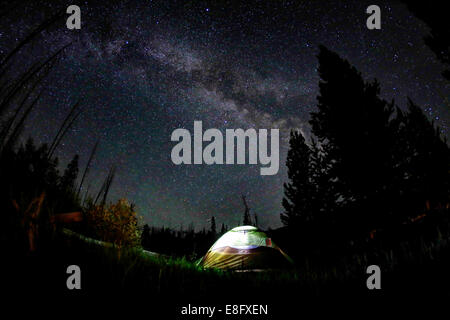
x=146 y=69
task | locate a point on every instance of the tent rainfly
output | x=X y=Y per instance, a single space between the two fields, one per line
x=245 y=248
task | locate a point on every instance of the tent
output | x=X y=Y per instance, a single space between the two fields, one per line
x=244 y=248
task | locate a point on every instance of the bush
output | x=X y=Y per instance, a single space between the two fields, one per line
x=116 y=223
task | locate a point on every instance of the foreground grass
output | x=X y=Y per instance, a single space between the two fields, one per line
x=409 y=269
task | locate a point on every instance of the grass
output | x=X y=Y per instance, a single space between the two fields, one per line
x=407 y=270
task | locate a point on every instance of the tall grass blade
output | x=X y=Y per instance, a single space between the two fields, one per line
x=28 y=38
x=68 y=122
x=18 y=128
x=88 y=165
x=27 y=76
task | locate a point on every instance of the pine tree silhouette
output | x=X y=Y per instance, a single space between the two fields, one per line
x=368 y=169
x=422 y=161
x=70 y=175
x=353 y=126
x=213 y=226
x=247 y=221
x=439 y=38
x=297 y=192
x=324 y=197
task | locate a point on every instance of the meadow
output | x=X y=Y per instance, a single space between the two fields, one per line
x=408 y=269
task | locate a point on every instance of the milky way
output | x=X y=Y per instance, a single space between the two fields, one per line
x=145 y=68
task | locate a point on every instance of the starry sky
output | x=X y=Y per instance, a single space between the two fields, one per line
x=142 y=69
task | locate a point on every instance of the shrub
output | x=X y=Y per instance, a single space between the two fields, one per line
x=116 y=223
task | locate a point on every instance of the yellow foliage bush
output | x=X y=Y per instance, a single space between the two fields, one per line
x=116 y=223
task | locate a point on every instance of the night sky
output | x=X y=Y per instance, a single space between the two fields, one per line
x=145 y=68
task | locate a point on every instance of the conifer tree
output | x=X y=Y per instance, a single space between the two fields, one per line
x=353 y=126
x=70 y=174
x=213 y=225
x=247 y=221
x=438 y=40
x=299 y=190
x=423 y=162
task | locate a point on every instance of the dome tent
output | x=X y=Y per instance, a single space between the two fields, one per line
x=245 y=247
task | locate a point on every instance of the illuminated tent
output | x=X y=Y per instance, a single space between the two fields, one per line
x=245 y=248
